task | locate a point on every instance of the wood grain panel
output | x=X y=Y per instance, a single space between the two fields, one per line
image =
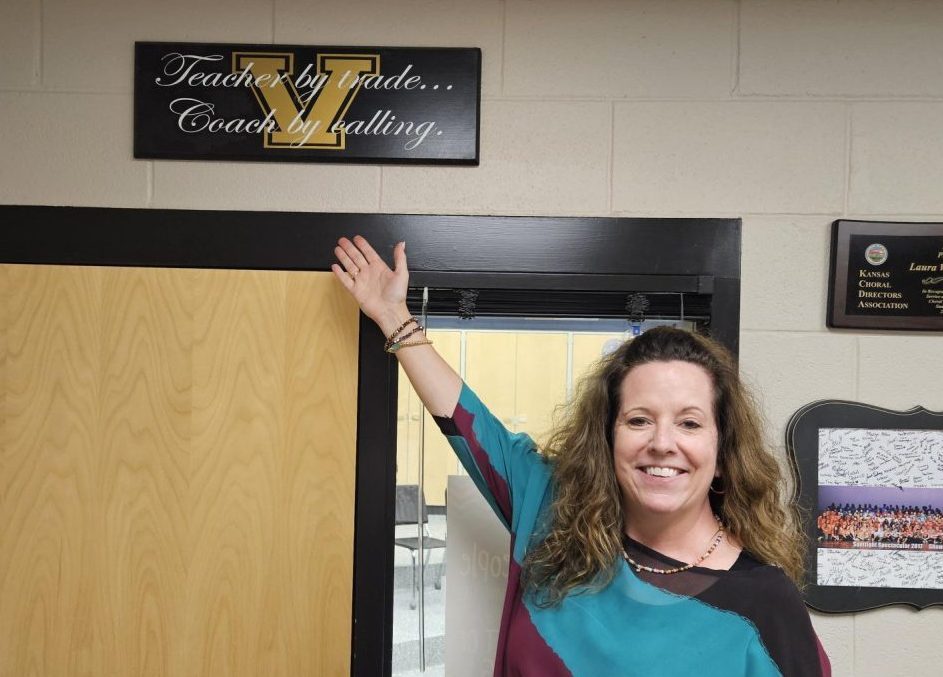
x=177 y=472
x=541 y=381
x=142 y=466
x=49 y=508
x=238 y=435
x=320 y=467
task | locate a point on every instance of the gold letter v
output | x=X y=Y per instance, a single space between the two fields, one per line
x=306 y=121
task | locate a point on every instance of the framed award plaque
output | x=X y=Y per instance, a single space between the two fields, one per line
x=886 y=275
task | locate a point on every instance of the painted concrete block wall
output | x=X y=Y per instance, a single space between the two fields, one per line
x=787 y=113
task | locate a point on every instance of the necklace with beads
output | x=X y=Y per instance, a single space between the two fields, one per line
x=718 y=537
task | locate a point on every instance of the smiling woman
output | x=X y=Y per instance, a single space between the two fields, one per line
x=665 y=442
x=678 y=449
x=665 y=455
x=625 y=556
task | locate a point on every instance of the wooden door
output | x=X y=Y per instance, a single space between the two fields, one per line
x=177 y=458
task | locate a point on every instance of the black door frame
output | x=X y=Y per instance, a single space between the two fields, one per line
x=511 y=252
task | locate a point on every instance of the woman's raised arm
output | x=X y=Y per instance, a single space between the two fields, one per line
x=381 y=294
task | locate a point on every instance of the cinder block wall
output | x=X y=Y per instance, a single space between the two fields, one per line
x=789 y=114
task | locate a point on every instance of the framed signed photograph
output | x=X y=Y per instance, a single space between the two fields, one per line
x=871 y=498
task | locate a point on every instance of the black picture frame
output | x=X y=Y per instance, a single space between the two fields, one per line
x=817 y=424
x=542 y=255
x=901 y=298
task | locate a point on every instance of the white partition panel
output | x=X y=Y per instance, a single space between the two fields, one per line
x=476 y=569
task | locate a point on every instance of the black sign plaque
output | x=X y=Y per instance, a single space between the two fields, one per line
x=886 y=276
x=291 y=103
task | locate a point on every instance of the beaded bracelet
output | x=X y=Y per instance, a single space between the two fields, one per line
x=396 y=346
x=400 y=339
x=395 y=341
x=392 y=337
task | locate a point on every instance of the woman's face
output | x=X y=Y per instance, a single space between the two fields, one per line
x=665 y=440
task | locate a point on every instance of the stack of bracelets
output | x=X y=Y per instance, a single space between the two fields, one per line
x=399 y=340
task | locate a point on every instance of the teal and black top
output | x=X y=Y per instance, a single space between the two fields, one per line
x=747 y=621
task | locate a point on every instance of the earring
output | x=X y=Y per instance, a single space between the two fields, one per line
x=716 y=491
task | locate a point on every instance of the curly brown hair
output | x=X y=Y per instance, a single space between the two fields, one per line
x=586 y=521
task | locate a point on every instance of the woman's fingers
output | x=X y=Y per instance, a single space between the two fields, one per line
x=353 y=253
x=345 y=260
x=368 y=251
x=399 y=258
x=366 y=275
x=343 y=276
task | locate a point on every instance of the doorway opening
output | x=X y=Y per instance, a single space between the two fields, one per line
x=500 y=271
x=521 y=368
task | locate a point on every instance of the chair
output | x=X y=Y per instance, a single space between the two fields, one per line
x=407 y=512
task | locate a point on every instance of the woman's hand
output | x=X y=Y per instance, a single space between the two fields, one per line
x=380 y=292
